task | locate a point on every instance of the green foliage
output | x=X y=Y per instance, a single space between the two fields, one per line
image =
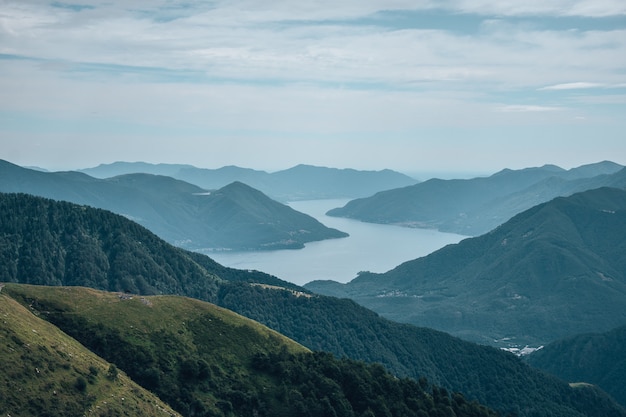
x=341 y=327
x=57 y=243
x=206 y=361
x=484 y=374
x=598 y=358
x=234 y=217
x=43 y=372
x=319 y=385
x=553 y=271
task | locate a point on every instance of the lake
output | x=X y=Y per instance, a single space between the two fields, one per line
x=370 y=247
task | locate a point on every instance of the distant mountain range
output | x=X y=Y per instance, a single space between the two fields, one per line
x=235 y=217
x=475 y=206
x=46 y=242
x=552 y=271
x=593 y=358
x=302 y=182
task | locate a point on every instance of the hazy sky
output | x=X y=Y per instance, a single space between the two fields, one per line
x=420 y=85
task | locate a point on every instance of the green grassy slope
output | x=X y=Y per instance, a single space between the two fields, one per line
x=38 y=246
x=207 y=361
x=44 y=372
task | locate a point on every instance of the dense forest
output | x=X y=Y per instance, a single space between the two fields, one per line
x=54 y=243
x=205 y=361
x=596 y=358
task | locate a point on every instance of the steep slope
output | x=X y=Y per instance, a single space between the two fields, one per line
x=43 y=371
x=596 y=358
x=340 y=326
x=302 y=182
x=555 y=270
x=475 y=206
x=204 y=360
x=179 y=212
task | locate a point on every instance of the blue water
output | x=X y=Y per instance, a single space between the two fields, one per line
x=370 y=247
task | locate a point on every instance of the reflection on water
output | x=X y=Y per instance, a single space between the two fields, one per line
x=370 y=247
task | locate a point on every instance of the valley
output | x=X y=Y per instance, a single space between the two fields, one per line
x=369 y=247
x=54 y=243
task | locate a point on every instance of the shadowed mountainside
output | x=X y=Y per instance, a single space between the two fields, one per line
x=302 y=182
x=56 y=243
x=235 y=217
x=595 y=358
x=555 y=270
x=475 y=206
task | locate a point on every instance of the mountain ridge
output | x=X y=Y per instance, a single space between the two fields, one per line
x=45 y=372
x=301 y=182
x=110 y=252
x=475 y=206
x=179 y=212
x=207 y=361
x=553 y=270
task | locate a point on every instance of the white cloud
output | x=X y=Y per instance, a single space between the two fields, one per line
x=581 y=85
x=589 y=8
x=234 y=68
x=524 y=108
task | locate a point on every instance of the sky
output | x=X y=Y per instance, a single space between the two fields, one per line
x=415 y=86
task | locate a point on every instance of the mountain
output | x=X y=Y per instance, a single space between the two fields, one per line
x=555 y=270
x=239 y=216
x=596 y=358
x=57 y=243
x=475 y=206
x=207 y=361
x=302 y=182
x=44 y=372
x=235 y=217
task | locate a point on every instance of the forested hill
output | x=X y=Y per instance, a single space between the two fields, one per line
x=475 y=206
x=595 y=358
x=200 y=359
x=234 y=217
x=56 y=243
x=555 y=270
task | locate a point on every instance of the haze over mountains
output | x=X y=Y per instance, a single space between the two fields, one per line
x=552 y=271
x=302 y=182
x=50 y=243
x=235 y=217
x=475 y=206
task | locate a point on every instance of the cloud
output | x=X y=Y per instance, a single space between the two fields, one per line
x=573 y=86
x=581 y=86
x=587 y=8
x=524 y=108
x=342 y=69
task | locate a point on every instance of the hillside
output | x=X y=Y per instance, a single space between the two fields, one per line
x=555 y=270
x=207 y=361
x=235 y=217
x=475 y=206
x=57 y=243
x=595 y=358
x=302 y=182
x=43 y=371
